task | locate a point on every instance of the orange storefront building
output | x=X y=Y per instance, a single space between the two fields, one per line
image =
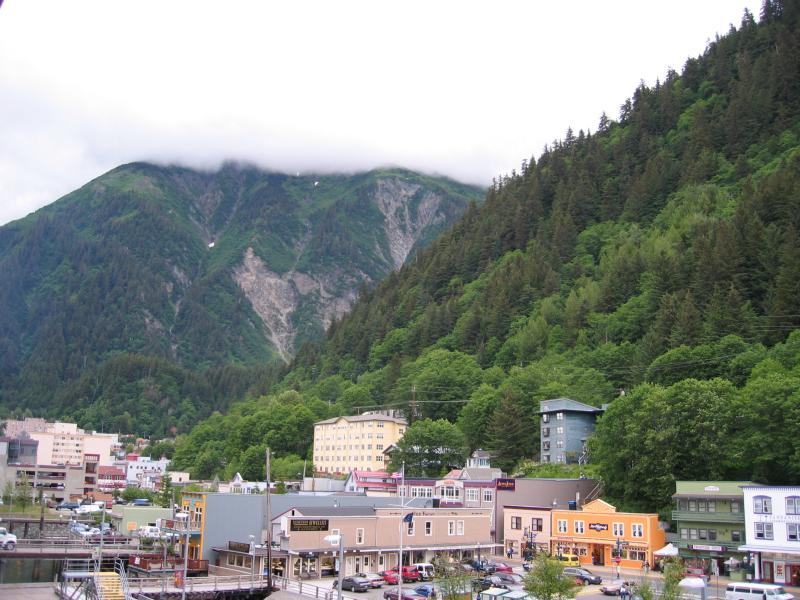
x=598 y=533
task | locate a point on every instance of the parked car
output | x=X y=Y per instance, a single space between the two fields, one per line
x=612 y=588
x=391 y=594
x=583 y=576
x=410 y=575
x=8 y=541
x=354 y=584
x=484 y=583
x=85 y=509
x=569 y=560
x=510 y=579
x=426 y=571
x=376 y=580
x=65 y=505
x=500 y=567
x=140 y=502
x=426 y=589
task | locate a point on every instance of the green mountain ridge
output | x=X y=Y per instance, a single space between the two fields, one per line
x=657 y=256
x=188 y=271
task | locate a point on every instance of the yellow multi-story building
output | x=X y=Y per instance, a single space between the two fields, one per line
x=345 y=444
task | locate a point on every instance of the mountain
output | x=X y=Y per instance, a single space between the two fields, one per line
x=657 y=256
x=195 y=270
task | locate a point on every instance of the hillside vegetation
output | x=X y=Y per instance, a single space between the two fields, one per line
x=657 y=255
x=154 y=295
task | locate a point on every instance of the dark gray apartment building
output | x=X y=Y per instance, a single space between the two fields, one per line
x=565 y=427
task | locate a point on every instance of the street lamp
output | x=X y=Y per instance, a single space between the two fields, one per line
x=42 y=501
x=339 y=539
x=184 y=517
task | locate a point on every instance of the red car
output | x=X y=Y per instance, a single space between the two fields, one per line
x=410 y=575
x=502 y=568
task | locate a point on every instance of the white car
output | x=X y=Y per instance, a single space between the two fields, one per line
x=85 y=509
x=8 y=541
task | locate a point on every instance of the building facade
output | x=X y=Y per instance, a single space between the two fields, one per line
x=345 y=444
x=139 y=468
x=772 y=530
x=527 y=529
x=63 y=443
x=565 y=425
x=710 y=520
x=599 y=535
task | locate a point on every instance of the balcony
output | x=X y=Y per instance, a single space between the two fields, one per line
x=707 y=517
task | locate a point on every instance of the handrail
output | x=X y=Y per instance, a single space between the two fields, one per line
x=120 y=569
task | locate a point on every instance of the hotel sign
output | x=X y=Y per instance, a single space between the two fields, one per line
x=599 y=526
x=506 y=484
x=309 y=525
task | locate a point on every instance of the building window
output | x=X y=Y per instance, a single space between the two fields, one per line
x=618 y=529
x=736 y=506
x=684 y=533
x=559 y=443
x=692 y=534
x=335 y=540
x=559 y=416
x=637 y=530
x=712 y=534
x=536 y=524
x=793 y=505
x=578 y=526
x=736 y=536
x=693 y=505
x=562 y=526
x=472 y=494
x=488 y=495
x=516 y=522
x=449 y=492
x=546 y=445
x=459 y=527
x=792 y=532
x=762 y=505
x=428 y=527
x=451 y=528
x=559 y=430
x=545 y=431
x=411 y=528
x=360 y=535
x=764 y=531
x=702 y=534
x=545 y=418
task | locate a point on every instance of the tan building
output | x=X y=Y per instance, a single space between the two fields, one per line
x=371 y=538
x=345 y=444
x=527 y=529
x=63 y=443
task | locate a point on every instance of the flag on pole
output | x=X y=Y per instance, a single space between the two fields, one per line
x=408 y=518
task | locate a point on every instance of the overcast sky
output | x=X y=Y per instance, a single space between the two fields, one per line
x=466 y=89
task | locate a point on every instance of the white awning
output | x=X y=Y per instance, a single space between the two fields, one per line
x=668 y=550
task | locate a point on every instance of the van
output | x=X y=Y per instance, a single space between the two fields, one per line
x=756 y=591
x=569 y=560
x=426 y=570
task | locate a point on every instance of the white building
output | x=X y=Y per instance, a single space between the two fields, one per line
x=139 y=468
x=238 y=485
x=772 y=530
x=63 y=443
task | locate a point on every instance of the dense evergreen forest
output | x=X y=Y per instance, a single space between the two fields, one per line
x=154 y=295
x=652 y=264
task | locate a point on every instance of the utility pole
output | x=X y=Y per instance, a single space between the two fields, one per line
x=413 y=410
x=269 y=527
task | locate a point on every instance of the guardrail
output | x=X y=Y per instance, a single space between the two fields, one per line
x=150 y=585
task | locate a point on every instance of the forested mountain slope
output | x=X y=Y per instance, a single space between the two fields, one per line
x=129 y=303
x=658 y=255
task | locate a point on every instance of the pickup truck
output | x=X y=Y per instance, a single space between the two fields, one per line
x=8 y=541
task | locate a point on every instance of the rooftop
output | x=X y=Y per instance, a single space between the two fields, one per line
x=363 y=418
x=566 y=405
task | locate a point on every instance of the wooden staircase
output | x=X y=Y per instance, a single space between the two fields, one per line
x=109 y=586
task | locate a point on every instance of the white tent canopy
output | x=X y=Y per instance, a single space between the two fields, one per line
x=668 y=550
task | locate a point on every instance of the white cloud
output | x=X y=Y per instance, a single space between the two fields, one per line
x=463 y=88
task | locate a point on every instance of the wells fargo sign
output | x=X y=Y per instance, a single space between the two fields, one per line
x=309 y=525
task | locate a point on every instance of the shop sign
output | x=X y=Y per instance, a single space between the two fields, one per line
x=599 y=526
x=707 y=548
x=711 y=488
x=506 y=484
x=239 y=547
x=309 y=525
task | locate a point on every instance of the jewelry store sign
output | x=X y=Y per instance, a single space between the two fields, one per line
x=309 y=525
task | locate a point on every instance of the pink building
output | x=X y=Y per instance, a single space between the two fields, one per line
x=110 y=479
